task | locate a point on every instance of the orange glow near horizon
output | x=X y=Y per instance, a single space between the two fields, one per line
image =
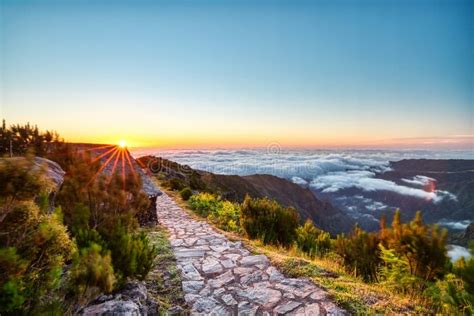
x=287 y=141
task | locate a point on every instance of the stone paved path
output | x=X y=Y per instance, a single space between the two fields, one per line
x=221 y=277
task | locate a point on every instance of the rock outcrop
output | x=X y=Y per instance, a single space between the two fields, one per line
x=131 y=300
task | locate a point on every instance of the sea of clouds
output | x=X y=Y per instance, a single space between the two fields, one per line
x=327 y=172
x=324 y=170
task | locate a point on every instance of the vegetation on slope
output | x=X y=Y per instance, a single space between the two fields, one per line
x=402 y=268
x=55 y=262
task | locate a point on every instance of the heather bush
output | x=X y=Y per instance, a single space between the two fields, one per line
x=269 y=221
x=175 y=184
x=450 y=297
x=311 y=240
x=360 y=253
x=132 y=254
x=395 y=274
x=34 y=246
x=186 y=193
x=224 y=214
x=92 y=272
x=423 y=246
x=204 y=203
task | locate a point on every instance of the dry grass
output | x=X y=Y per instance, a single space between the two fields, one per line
x=163 y=281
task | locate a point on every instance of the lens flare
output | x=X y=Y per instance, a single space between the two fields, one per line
x=122 y=144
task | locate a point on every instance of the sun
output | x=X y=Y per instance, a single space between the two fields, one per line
x=122 y=144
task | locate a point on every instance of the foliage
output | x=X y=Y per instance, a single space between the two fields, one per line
x=35 y=245
x=186 y=193
x=395 y=273
x=22 y=138
x=360 y=253
x=423 y=246
x=107 y=199
x=269 y=221
x=311 y=240
x=175 y=184
x=449 y=296
x=224 y=214
x=20 y=180
x=132 y=253
x=92 y=272
x=204 y=203
x=465 y=270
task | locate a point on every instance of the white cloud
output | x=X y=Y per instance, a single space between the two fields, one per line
x=455 y=252
x=299 y=181
x=330 y=170
x=420 y=180
x=460 y=225
x=365 y=181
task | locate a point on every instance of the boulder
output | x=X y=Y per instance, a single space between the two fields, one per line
x=131 y=300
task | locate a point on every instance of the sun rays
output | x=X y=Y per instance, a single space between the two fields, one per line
x=115 y=159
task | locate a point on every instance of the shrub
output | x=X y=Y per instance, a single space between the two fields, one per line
x=224 y=214
x=34 y=245
x=449 y=296
x=186 y=193
x=12 y=268
x=132 y=254
x=423 y=246
x=360 y=253
x=269 y=221
x=92 y=272
x=204 y=203
x=312 y=240
x=395 y=273
x=176 y=184
x=86 y=237
x=106 y=200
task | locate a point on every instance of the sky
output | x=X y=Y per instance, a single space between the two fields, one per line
x=228 y=73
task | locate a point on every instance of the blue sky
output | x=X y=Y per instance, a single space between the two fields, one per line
x=204 y=73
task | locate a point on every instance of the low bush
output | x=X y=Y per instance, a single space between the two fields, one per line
x=186 y=193
x=132 y=254
x=175 y=184
x=312 y=241
x=225 y=214
x=204 y=203
x=450 y=297
x=423 y=246
x=34 y=244
x=92 y=272
x=269 y=221
x=395 y=274
x=360 y=253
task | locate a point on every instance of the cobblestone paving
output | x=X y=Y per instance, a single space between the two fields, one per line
x=221 y=277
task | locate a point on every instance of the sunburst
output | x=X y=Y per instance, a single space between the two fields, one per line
x=118 y=156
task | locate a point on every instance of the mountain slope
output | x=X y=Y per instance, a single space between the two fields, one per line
x=234 y=188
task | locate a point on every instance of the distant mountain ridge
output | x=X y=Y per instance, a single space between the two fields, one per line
x=455 y=176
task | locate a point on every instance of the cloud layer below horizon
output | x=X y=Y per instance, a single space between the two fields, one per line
x=324 y=170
